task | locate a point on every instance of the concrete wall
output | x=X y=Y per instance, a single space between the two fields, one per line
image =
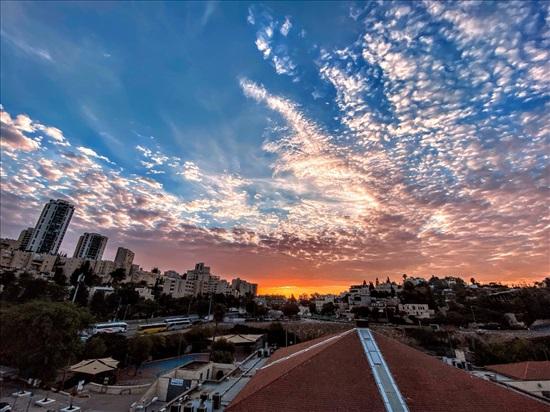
x=117 y=390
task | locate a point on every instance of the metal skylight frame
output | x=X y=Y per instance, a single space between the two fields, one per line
x=393 y=400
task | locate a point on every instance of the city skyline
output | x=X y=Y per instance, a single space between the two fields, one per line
x=305 y=150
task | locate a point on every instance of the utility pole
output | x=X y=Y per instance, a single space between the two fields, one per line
x=473 y=314
x=210 y=307
x=78 y=282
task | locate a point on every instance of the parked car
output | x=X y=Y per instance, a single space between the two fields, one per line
x=5 y=407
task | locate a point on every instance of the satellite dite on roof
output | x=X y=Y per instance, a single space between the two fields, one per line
x=393 y=401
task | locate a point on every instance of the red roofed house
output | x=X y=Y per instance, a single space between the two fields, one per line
x=531 y=377
x=361 y=370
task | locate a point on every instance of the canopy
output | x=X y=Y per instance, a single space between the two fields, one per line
x=239 y=339
x=95 y=366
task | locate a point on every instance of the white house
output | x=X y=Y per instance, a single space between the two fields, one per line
x=418 y=310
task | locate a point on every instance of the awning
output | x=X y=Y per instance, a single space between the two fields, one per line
x=95 y=366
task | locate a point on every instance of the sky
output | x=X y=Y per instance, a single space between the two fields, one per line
x=304 y=146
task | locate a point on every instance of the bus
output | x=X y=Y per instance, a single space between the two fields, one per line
x=177 y=323
x=109 y=327
x=151 y=328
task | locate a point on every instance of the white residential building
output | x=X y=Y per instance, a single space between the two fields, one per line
x=359 y=295
x=51 y=227
x=419 y=310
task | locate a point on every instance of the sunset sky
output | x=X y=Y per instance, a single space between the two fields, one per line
x=304 y=146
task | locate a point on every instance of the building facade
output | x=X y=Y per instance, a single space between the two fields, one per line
x=124 y=259
x=243 y=287
x=90 y=246
x=25 y=238
x=51 y=227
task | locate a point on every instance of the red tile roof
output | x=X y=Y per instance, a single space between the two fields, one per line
x=526 y=371
x=427 y=384
x=333 y=374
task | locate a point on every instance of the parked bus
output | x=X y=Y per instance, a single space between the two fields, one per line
x=109 y=327
x=177 y=323
x=151 y=328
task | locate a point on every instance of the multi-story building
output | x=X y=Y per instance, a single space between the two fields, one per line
x=69 y=265
x=124 y=259
x=90 y=246
x=243 y=287
x=104 y=267
x=175 y=286
x=17 y=259
x=199 y=279
x=359 y=295
x=51 y=227
x=25 y=238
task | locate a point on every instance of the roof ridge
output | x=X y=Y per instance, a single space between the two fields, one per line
x=334 y=339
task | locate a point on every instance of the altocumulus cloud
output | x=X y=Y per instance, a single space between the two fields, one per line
x=435 y=161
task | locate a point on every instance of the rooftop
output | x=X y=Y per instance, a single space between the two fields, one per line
x=525 y=371
x=334 y=373
x=240 y=339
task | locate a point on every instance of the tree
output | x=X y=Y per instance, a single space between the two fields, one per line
x=361 y=312
x=219 y=313
x=118 y=275
x=33 y=288
x=313 y=308
x=97 y=304
x=290 y=309
x=59 y=277
x=251 y=307
x=222 y=351
x=139 y=350
x=95 y=348
x=328 y=309
x=82 y=295
x=49 y=339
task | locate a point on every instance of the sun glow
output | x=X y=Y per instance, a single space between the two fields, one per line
x=288 y=290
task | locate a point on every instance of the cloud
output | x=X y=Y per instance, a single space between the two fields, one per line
x=54 y=133
x=269 y=42
x=25 y=47
x=12 y=137
x=424 y=151
x=191 y=172
x=91 y=153
x=285 y=27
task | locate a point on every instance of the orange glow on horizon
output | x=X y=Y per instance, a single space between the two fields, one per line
x=299 y=290
x=336 y=289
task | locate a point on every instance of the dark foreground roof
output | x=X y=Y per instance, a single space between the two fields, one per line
x=526 y=371
x=333 y=374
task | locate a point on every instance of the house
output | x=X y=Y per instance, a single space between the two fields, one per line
x=418 y=310
x=362 y=370
x=531 y=377
x=244 y=343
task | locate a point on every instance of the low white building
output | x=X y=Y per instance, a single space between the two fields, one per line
x=322 y=300
x=145 y=292
x=418 y=310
